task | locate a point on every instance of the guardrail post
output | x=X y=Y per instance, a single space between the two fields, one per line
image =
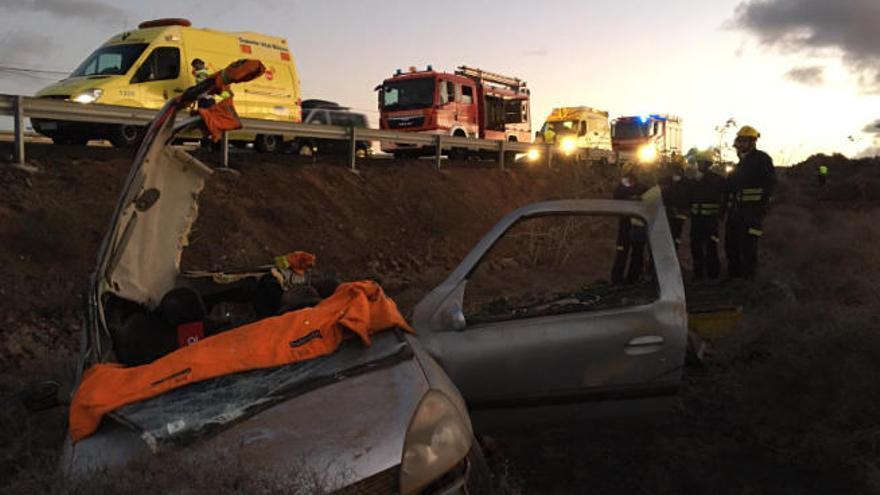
x=352 y=149
x=224 y=149
x=438 y=143
x=19 y=130
x=501 y=153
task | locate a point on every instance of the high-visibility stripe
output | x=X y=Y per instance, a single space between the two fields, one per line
x=753 y=190
x=620 y=247
x=637 y=222
x=715 y=239
x=681 y=216
x=756 y=232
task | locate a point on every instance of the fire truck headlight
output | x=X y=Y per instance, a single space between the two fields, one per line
x=647 y=153
x=568 y=145
x=533 y=155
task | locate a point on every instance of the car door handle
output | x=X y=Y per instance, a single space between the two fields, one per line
x=646 y=344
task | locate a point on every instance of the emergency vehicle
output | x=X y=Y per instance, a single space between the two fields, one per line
x=471 y=103
x=580 y=133
x=144 y=67
x=646 y=139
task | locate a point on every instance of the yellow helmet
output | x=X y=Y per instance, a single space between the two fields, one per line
x=748 y=132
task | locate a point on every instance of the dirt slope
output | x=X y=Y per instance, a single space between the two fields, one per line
x=404 y=224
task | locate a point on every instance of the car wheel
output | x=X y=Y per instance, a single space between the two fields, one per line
x=126 y=136
x=267 y=143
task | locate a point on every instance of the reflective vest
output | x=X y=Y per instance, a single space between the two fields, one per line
x=823 y=170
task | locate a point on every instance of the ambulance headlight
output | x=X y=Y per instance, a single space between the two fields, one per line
x=647 y=153
x=533 y=155
x=88 y=96
x=438 y=439
x=568 y=145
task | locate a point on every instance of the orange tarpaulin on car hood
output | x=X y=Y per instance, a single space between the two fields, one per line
x=361 y=308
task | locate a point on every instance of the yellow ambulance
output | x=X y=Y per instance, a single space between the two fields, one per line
x=145 y=67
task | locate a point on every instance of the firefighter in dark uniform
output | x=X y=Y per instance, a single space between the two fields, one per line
x=631 y=235
x=674 y=188
x=749 y=188
x=706 y=195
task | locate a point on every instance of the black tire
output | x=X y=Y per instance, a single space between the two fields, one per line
x=267 y=143
x=70 y=140
x=126 y=136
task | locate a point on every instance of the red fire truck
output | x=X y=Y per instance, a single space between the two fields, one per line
x=646 y=139
x=470 y=103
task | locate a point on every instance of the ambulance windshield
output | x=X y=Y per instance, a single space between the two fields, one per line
x=110 y=60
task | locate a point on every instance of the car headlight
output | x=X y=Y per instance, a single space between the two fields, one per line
x=647 y=153
x=533 y=154
x=88 y=96
x=568 y=145
x=437 y=440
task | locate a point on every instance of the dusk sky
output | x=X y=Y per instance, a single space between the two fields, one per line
x=804 y=72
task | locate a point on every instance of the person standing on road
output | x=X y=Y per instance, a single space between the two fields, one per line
x=749 y=188
x=631 y=235
x=200 y=73
x=706 y=199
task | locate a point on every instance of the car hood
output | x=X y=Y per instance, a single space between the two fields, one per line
x=339 y=431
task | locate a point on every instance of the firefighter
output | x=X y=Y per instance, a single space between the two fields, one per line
x=706 y=197
x=674 y=188
x=749 y=188
x=823 y=175
x=631 y=235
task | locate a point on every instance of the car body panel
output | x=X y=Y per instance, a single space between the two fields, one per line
x=626 y=352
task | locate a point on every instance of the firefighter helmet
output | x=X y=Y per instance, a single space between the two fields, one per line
x=748 y=132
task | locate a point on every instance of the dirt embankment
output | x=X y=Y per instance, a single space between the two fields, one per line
x=405 y=224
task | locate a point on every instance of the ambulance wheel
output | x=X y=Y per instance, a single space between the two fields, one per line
x=267 y=143
x=126 y=136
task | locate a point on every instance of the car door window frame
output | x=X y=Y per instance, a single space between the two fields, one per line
x=139 y=77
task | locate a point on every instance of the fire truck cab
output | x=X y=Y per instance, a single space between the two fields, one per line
x=646 y=139
x=470 y=103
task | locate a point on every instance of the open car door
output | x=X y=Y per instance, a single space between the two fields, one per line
x=529 y=318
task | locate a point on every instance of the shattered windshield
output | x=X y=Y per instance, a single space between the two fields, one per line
x=185 y=413
x=408 y=94
x=110 y=60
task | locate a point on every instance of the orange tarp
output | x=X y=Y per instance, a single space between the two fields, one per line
x=358 y=307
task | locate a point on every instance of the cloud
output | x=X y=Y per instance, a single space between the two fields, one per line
x=84 y=9
x=808 y=76
x=873 y=127
x=815 y=27
x=23 y=50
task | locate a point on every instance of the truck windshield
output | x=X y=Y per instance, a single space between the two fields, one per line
x=408 y=94
x=561 y=126
x=110 y=60
x=631 y=130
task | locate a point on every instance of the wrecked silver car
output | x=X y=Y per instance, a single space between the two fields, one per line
x=411 y=432
x=525 y=324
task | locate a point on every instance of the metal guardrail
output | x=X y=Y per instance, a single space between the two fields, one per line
x=20 y=107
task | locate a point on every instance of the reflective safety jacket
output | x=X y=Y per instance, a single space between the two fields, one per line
x=750 y=185
x=355 y=309
x=706 y=196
